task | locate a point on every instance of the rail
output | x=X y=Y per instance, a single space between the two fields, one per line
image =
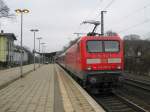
x=138 y=84
x=116 y=103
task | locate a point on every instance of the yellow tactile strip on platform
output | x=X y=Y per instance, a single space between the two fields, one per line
x=74 y=97
x=65 y=98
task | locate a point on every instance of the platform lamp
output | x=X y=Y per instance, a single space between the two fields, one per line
x=21 y=12
x=39 y=38
x=42 y=50
x=44 y=57
x=34 y=31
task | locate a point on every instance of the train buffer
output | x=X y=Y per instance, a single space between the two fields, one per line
x=48 y=89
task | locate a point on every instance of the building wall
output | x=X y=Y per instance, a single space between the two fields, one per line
x=3 y=49
x=17 y=57
x=10 y=49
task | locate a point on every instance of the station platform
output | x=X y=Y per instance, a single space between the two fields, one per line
x=9 y=75
x=48 y=89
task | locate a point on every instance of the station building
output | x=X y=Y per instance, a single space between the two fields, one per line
x=7 y=48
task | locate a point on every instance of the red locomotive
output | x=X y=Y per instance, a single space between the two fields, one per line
x=97 y=61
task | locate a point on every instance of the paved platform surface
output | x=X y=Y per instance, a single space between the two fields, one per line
x=11 y=74
x=48 y=89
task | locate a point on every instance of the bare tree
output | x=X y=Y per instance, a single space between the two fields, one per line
x=4 y=10
x=137 y=54
x=132 y=37
x=110 y=33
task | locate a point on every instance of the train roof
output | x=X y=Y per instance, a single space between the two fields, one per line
x=116 y=37
x=84 y=38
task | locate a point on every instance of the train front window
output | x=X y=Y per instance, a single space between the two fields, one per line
x=94 y=46
x=111 y=46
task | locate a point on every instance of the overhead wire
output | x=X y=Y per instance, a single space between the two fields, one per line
x=131 y=14
x=101 y=1
x=110 y=3
x=98 y=5
x=106 y=7
x=136 y=25
x=79 y=26
x=136 y=11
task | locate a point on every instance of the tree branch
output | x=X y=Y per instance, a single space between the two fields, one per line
x=4 y=10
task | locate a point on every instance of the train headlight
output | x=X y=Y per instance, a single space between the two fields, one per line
x=119 y=67
x=89 y=68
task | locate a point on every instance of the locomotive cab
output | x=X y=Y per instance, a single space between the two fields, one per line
x=103 y=59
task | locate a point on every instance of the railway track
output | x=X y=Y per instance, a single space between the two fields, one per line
x=116 y=103
x=138 y=84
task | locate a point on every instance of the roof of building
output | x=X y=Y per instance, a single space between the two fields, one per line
x=49 y=54
x=8 y=35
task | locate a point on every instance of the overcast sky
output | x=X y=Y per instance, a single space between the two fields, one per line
x=57 y=20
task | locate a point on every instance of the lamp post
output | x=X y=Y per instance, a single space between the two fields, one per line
x=34 y=31
x=44 y=57
x=42 y=50
x=21 y=12
x=39 y=50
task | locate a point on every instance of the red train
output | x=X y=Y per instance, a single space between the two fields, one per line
x=97 y=61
